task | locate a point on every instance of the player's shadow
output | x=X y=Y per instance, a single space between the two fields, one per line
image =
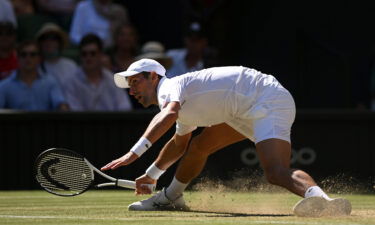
x=231 y=214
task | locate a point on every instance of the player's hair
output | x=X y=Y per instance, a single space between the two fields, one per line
x=147 y=75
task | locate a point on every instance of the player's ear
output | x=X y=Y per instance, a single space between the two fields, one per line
x=154 y=75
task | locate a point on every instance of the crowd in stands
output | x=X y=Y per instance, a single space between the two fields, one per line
x=61 y=55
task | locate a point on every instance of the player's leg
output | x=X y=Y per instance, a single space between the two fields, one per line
x=210 y=140
x=207 y=142
x=274 y=155
x=272 y=137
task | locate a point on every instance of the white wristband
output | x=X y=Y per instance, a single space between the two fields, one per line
x=154 y=172
x=141 y=146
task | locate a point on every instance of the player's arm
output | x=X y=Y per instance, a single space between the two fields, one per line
x=159 y=125
x=171 y=152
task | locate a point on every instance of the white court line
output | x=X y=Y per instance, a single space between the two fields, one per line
x=302 y=222
x=41 y=217
x=28 y=217
x=66 y=218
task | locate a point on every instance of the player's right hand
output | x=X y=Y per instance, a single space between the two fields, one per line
x=122 y=161
x=144 y=185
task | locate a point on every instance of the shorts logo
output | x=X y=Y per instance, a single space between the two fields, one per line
x=304 y=156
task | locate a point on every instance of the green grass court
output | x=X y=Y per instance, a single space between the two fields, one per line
x=110 y=207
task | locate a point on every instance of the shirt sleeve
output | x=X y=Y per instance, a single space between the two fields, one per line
x=175 y=93
x=182 y=129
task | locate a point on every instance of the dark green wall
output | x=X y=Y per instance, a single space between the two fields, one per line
x=343 y=143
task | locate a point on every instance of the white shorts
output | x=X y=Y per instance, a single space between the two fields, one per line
x=271 y=116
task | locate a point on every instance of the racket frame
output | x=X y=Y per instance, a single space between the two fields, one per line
x=115 y=182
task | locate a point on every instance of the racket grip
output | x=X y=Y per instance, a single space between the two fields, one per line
x=131 y=184
x=126 y=183
x=150 y=186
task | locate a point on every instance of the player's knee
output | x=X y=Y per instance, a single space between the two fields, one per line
x=197 y=149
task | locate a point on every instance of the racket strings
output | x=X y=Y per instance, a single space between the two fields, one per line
x=64 y=173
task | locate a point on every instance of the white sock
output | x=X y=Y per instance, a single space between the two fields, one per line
x=175 y=189
x=316 y=191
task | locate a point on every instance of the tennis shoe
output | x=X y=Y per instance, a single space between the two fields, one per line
x=319 y=206
x=159 y=202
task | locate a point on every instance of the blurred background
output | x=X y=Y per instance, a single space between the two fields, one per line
x=57 y=58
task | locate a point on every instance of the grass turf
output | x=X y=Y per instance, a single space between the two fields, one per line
x=110 y=207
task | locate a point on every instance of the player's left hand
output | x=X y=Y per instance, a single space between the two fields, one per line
x=122 y=161
x=143 y=184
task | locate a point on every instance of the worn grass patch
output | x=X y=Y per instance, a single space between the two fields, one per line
x=215 y=206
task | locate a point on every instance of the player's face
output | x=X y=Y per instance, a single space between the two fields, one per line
x=143 y=89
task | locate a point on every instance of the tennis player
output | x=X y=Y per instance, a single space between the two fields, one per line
x=232 y=103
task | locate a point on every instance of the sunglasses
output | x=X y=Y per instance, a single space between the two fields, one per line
x=89 y=53
x=28 y=54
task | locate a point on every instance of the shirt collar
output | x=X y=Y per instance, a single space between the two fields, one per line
x=159 y=85
x=161 y=82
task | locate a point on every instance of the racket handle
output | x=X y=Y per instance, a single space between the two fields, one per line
x=150 y=186
x=131 y=184
x=126 y=183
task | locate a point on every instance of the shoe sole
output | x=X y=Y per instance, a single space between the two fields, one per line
x=318 y=206
x=338 y=207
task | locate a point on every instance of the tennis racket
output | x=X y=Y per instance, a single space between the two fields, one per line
x=66 y=173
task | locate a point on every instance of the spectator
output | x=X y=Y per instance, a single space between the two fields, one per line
x=156 y=51
x=60 y=10
x=57 y=7
x=92 y=87
x=8 y=55
x=23 y=7
x=52 y=40
x=193 y=56
x=7 y=12
x=125 y=47
x=100 y=17
x=27 y=88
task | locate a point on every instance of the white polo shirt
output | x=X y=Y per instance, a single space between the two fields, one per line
x=216 y=95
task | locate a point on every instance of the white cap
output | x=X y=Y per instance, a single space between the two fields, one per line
x=143 y=65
